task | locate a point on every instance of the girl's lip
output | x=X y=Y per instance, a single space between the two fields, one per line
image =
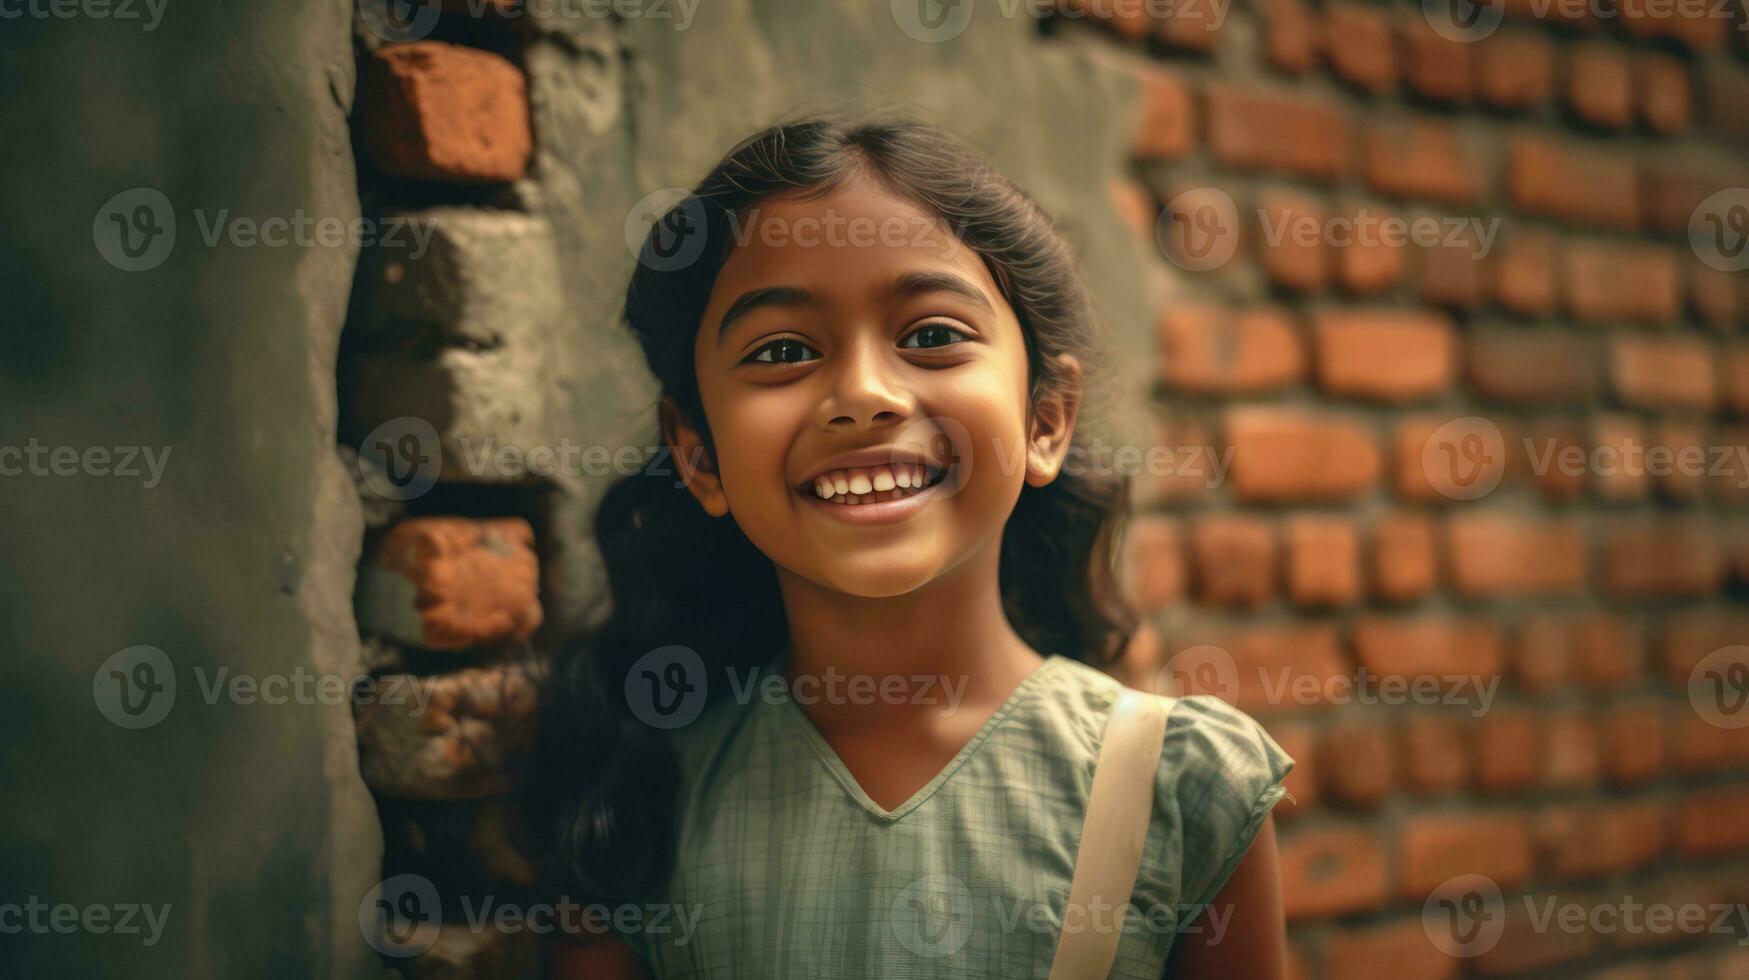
x=883 y=511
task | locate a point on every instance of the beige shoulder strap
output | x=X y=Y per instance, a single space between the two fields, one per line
x=1112 y=835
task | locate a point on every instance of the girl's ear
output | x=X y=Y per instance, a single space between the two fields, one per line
x=693 y=459
x=1053 y=424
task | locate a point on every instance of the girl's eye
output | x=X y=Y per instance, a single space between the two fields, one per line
x=785 y=350
x=934 y=335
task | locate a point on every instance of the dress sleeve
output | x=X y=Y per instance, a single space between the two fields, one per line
x=1220 y=775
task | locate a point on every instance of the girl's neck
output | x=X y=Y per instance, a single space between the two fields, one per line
x=953 y=630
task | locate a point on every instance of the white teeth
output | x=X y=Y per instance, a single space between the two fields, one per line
x=870 y=485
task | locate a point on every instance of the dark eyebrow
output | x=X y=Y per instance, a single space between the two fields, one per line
x=753 y=299
x=909 y=284
x=916 y=283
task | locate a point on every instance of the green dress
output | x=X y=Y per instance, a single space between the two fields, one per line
x=785 y=867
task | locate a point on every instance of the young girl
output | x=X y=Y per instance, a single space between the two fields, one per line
x=844 y=716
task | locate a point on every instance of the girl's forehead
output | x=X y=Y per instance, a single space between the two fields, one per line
x=855 y=237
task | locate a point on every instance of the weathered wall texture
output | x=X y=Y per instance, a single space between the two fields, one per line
x=242 y=825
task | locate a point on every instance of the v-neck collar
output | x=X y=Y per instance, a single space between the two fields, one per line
x=829 y=757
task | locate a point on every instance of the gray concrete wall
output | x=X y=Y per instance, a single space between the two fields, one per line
x=246 y=820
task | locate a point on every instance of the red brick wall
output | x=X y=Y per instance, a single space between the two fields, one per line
x=1415 y=488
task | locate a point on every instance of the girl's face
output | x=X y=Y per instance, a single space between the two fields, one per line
x=853 y=343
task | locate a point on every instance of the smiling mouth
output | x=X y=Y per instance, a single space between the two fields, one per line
x=874 y=484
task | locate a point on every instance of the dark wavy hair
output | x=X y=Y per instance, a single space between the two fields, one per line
x=599 y=785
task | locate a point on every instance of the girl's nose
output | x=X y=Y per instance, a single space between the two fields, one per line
x=864 y=389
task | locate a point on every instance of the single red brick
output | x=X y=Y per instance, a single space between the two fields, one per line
x=1600 y=84
x=1384 y=355
x=1608 y=651
x=1508 y=751
x=1359 y=764
x=1323 y=561
x=1515 y=69
x=1493 y=554
x=471 y=582
x=1287 y=667
x=1666 y=559
x=1198 y=464
x=1370 y=259
x=1332 y=871
x=1697 y=26
x=1292 y=36
x=1531 y=367
x=1361 y=52
x=1439 y=458
x=1528 y=942
x=1556 y=460
x=1166 y=121
x=1594 y=841
x=1434 y=66
x=1524 y=273
x=1453 y=270
x=1292 y=242
x=1617 y=457
x=1272 y=130
x=1677 y=458
x=1716 y=296
x=1572 y=760
x=1690 y=636
x=1386 y=952
x=1404 y=568
x=1734 y=380
x=1210 y=349
x=1727 y=95
x=1709 y=823
x=1437 y=847
x=1622 y=282
x=1191 y=25
x=1291 y=455
x=1674 y=185
x=1427 y=646
x=1633 y=743
x=1697 y=746
x=436 y=111
x=1420 y=158
x=1435 y=754
x=1666 y=101
x=1562 y=181
x=1663 y=372
x=1234 y=560
x=1155 y=563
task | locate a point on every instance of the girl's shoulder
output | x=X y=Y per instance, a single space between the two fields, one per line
x=1218 y=778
